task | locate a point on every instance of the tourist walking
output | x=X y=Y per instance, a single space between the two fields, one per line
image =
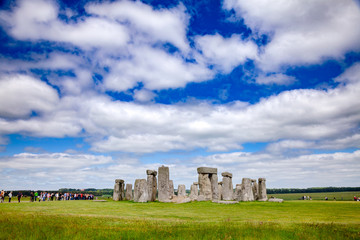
x=19 y=196
x=2 y=196
x=10 y=196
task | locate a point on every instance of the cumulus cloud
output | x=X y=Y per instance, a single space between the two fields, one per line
x=20 y=95
x=225 y=53
x=278 y=78
x=301 y=32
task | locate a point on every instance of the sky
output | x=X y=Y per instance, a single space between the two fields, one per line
x=93 y=91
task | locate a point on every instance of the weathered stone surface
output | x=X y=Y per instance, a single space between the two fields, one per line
x=255 y=189
x=151 y=172
x=279 y=200
x=163 y=184
x=201 y=198
x=262 y=189
x=246 y=190
x=151 y=185
x=195 y=183
x=171 y=189
x=206 y=170
x=227 y=188
x=181 y=190
x=194 y=192
x=205 y=186
x=220 y=190
x=237 y=194
x=119 y=194
x=214 y=186
x=180 y=199
x=129 y=192
x=226 y=174
x=140 y=191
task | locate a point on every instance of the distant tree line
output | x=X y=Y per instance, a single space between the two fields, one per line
x=94 y=191
x=312 y=190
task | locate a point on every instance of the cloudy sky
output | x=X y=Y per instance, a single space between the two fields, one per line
x=91 y=91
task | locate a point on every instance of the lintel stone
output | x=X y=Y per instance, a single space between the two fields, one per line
x=226 y=174
x=207 y=170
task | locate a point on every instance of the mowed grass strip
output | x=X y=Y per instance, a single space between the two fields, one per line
x=197 y=220
x=332 y=196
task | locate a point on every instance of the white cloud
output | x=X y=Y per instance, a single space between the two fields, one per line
x=351 y=75
x=225 y=53
x=277 y=78
x=143 y=95
x=301 y=32
x=167 y=25
x=21 y=94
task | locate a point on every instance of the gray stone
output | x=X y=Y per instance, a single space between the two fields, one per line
x=195 y=183
x=206 y=170
x=194 y=192
x=141 y=191
x=255 y=189
x=119 y=193
x=152 y=185
x=279 y=200
x=129 y=192
x=225 y=202
x=237 y=194
x=151 y=172
x=226 y=174
x=214 y=186
x=163 y=184
x=181 y=190
x=262 y=189
x=180 y=199
x=246 y=190
x=171 y=189
x=227 y=188
x=220 y=190
x=205 y=186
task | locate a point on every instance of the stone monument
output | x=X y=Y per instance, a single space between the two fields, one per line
x=208 y=183
x=164 y=184
x=141 y=191
x=227 y=186
x=246 y=190
x=118 y=194
x=129 y=192
x=262 y=189
x=152 y=184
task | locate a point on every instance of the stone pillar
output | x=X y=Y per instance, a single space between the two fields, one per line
x=227 y=186
x=246 y=190
x=255 y=189
x=129 y=192
x=220 y=190
x=163 y=184
x=208 y=183
x=262 y=189
x=171 y=189
x=152 y=184
x=181 y=191
x=237 y=194
x=194 y=192
x=141 y=191
x=118 y=194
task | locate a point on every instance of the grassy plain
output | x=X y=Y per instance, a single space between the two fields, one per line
x=196 y=220
x=339 y=196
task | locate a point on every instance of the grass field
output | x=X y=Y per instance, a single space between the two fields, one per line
x=196 y=220
x=339 y=196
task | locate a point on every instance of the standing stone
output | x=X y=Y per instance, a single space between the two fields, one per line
x=237 y=194
x=171 y=189
x=255 y=189
x=208 y=183
x=262 y=189
x=227 y=186
x=194 y=192
x=163 y=184
x=205 y=186
x=181 y=190
x=118 y=194
x=129 y=192
x=152 y=184
x=220 y=190
x=246 y=190
x=140 y=191
x=214 y=186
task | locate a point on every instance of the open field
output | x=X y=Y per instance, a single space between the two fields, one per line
x=196 y=220
x=340 y=196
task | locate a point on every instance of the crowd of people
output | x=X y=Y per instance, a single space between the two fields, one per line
x=356 y=198
x=48 y=196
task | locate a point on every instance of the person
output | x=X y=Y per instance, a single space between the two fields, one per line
x=326 y=198
x=10 y=196
x=355 y=198
x=31 y=197
x=19 y=196
x=2 y=196
x=36 y=195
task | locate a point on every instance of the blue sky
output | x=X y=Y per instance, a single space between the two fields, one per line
x=91 y=91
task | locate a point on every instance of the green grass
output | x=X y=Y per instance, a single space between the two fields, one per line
x=340 y=196
x=196 y=220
